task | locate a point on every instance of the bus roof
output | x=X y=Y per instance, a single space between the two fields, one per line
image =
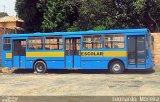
x=136 y=31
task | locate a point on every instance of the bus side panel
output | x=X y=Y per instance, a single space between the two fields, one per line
x=55 y=64
x=7 y=59
x=51 y=63
x=29 y=64
x=94 y=64
x=99 y=62
x=3 y=58
x=6 y=62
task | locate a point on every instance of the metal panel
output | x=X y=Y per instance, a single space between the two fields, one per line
x=55 y=64
x=93 y=64
x=69 y=62
x=16 y=61
x=22 y=61
x=77 y=61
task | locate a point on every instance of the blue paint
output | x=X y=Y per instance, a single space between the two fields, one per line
x=22 y=61
x=75 y=61
x=94 y=64
x=69 y=62
x=55 y=64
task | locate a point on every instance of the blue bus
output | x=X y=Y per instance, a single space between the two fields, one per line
x=116 y=50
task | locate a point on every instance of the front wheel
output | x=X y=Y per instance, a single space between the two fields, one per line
x=40 y=67
x=116 y=67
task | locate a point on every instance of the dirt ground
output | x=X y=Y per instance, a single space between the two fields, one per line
x=80 y=83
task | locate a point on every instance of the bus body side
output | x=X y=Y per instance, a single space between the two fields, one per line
x=76 y=51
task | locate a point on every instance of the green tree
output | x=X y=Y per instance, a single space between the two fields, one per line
x=3 y=14
x=138 y=14
x=27 y=10
x=72 y=15
x=53 y=18
x=95 y=14
x=117 y=14
x=151 y=13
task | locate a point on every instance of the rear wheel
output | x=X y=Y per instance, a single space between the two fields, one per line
x=116 y=67
x=40 y=67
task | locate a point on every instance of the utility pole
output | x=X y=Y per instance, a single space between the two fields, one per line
x=4 y=8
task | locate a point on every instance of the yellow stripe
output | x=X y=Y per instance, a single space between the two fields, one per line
x=61 y=54
x=44 y=54
x=8 y=55
x=115 y=53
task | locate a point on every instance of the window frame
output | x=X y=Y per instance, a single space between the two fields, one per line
x=58 y=43
x=23 y=45
x=92 y=42
x=33 y=43
x=8 y=43
x=122 y=35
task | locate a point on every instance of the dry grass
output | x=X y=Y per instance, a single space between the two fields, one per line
x=6 y=70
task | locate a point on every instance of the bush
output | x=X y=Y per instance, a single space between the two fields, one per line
x=101 y=27
x=72 y=28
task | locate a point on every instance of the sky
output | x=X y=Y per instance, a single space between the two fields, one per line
x=9 y=7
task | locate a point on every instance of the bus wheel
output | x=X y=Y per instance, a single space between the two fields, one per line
x=116 y=67
x=40 y=67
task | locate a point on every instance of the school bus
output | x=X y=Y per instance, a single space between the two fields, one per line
x=116 y=50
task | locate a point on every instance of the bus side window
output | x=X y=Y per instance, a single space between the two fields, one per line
x=92 y=41
x=97 y=41
x=7 y=44
x=87 y=42
x=35 y=43
x=53 y=43
x=116 y=46
x=106 y=46
x=114 y=41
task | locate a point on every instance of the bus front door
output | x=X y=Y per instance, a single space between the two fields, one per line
x=19 y=53
x=136 y=51
x=72 y=53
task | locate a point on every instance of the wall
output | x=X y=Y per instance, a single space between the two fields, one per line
x=8 y=24
x=156 y=48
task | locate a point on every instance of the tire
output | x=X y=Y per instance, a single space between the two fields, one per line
x=40 y=67
x=116 y=67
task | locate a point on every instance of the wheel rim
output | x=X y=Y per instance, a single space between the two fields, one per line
x=116 y=67
x=40 y=67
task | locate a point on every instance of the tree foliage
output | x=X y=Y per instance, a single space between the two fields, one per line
x=29 y=12
x=72 y=15
x=53 y=17
x=3 y=14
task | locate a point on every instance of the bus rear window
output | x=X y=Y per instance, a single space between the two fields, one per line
x=114 y=41
x=7 y=44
